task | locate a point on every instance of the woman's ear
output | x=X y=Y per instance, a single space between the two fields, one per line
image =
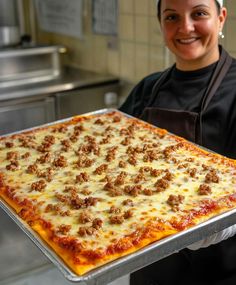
x=222 y=17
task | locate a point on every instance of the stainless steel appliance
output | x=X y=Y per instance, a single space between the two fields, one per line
x=29 y=65
x=23 y=68
x=9 y=23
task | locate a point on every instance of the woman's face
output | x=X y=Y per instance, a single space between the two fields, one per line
x=191 y=30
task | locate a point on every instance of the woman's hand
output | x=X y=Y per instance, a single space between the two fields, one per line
x=213 y=239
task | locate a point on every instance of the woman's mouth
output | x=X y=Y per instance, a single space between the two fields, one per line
x=187 y=41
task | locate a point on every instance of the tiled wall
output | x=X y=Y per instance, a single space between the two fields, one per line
x=229 y=41
x=137 y=51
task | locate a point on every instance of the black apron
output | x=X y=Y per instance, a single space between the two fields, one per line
x=180 y=122
x=190 y=267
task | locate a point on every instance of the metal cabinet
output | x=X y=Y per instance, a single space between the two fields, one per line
x=21 y=114
x=83 y=100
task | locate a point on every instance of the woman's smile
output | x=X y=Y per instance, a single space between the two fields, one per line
x=187 y=41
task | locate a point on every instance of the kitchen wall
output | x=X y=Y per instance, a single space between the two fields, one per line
x=229 y=31
x=138 y=49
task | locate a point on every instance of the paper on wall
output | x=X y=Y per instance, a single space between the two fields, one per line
x=60 y=16
x=105 y=14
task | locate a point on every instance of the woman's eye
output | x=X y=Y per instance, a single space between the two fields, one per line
x=171 y=17
x=200 y=14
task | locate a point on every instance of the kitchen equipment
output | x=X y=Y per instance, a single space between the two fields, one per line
x=28 y=65
x=25 y=67
x=9 y=23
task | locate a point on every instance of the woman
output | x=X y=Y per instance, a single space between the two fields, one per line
x=196 y=99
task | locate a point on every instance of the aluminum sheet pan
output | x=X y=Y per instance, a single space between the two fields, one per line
x=132 y=262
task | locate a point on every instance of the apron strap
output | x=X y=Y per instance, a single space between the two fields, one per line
x=219 y=73
x=157 y=86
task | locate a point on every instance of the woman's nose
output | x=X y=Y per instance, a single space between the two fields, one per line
x=186 y=25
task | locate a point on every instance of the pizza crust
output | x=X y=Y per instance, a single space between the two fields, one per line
x=99 y=187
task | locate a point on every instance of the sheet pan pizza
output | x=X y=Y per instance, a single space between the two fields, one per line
x=100 y=186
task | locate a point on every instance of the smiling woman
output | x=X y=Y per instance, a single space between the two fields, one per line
x=191 y=32
x=195 y=99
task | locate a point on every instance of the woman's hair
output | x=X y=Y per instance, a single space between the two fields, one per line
x=159 y=8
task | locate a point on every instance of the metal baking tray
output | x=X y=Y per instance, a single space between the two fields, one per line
x=132 y=262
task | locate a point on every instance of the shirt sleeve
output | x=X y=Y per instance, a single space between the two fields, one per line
x=139 y=96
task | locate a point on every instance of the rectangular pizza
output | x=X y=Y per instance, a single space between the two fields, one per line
x=100 y=186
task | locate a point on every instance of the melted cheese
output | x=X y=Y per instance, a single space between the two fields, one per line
x=145 y=208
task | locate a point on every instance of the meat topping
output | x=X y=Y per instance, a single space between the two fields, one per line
x=60 y=161
x=85 y=217
x=118 y=219
x=204 y=189
x=133 y=190
x=168 y=176
x=192 y=172
x=65 y=145
x=101 y=169
x=38 y=185
x=64 y=229
x=32 y=169
x=212 y=177
x=13 y=166
x=174 y=201
x=132 y=160
x=12 y=155
x=128 y=214
x=111 y=154
x=49 y=139
x=151 y=155
x=126 y=141
x=139 y=178
x=25 y=155
x=47 y=174
x=82 y=177
x=97 y=223
x=128 y=202
x=120 y=179
x=114 y=210
x=99 y=122
x=147 y=192
x=86 y=231
x=84 y=161
x=9 y=144
x=44 y=158
x=27 y=141
x=116 y=119
x=161 y=185
x=112 y=189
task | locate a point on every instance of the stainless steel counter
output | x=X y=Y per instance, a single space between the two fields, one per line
x=71 y=78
